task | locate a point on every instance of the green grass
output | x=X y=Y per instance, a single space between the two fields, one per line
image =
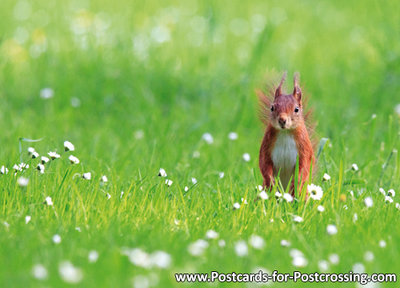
x=202 y=79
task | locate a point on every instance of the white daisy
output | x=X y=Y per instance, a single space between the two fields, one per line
x=56 y=239
x=46 y=93
x=108 y=195
x=315 y=192
x=198 y=247
x=246 y=157
x=194 y=180
x=168 y=182
x=35 y=155
x=326 y=177
x=104 y=179
x=68 y=146
x=382 y=243
x=259 y=188
x=369 y=256
x=3 y=170
x=208 y=138
x=368 y=202
x=297 y=219
x=334 y=259
x=27 y=219
x=221 y=243
x=354 y=167
x=93 y=256
x=278 y=194
x=321 y=208
x=139 y=134
x=358 y=268
x=299 y=261
x=388 y=199
x=263 y=195
x=391 y=193
x=17 y=168
x=40 y=167
x=211 y=234
x=331 y=229
x=382 y=191
x=49 y=201
x=87 y=176
x=398 y=206
x=73 y=159
x=244 y=201
x=69 y=273
x=233 y=136
x=285 y=243
x=160 y=259
x=186 y=188
x=256 y=242
x=236 y=205
x=44 y=159
x=22 y=181
x=323 y=265
x=221 y=175
x=241 y=248
x=162 y=173
x=39 y=272
x=288 y=197
x=53 y=155
x=31 y=150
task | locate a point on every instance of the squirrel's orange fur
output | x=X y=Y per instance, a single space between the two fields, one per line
x=286 y=127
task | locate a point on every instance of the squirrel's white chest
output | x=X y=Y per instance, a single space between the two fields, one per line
x=284 y=155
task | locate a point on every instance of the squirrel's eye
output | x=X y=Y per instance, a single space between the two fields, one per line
x=272 y=108
x=296 y=109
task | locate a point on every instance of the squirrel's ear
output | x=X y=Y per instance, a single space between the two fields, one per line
x=297 y=90
x=278 y=91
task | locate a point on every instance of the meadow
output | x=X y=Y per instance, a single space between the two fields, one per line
x=137 y=86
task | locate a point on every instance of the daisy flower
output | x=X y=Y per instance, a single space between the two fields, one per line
x=162 y=173
x=233 y=136
x=211 y=234
x=256 y=242
x=236 y=205
x=87 y=176
x=241 y=248
x=221 y=175
x=56 y=239
x=73 y=159
x=368 y=202
x=288 y=197
x=53 y=155
x=321 y=208
x=46 y=93
x=44 y=159
x=208 y=138
x=49 y=201
x=168 y=182
x=297 y=219
x=285 y=243
x=354 y=167
x=40 y=167
x=198 y=247
x=22 y=181
x=263 y=195
x=27 y=219
x=246 y=157
x=104 y=179
x=3 y=170
x=93 y=256
x=326 y=177
x=194 y=180
x=68 y=146
x=331 y=229
x=69 y=273
x=39 y=272
x=391 y=193
x=315 y=192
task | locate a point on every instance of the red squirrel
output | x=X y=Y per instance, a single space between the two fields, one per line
x=286 y=138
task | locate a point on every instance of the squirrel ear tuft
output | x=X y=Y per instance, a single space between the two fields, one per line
x=297 y=90
x=278 y=91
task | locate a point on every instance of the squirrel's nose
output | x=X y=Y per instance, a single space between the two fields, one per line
x=282 y=121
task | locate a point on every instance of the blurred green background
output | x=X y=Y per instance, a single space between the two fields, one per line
x=135 y=85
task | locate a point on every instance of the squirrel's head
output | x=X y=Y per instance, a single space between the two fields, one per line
x=286 y=110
